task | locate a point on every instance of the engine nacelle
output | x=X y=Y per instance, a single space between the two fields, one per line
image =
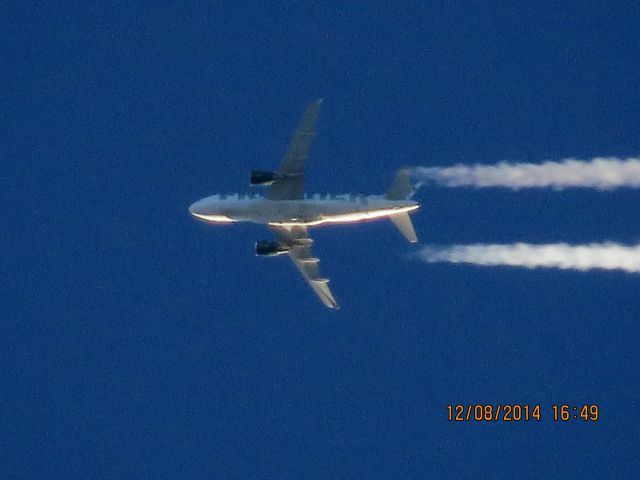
x=261 y=178
x=265 y=248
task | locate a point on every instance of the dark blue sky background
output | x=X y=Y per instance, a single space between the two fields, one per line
x=138 y=343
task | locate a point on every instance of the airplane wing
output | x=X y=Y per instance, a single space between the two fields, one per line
x=290 y=185
x=299 y=243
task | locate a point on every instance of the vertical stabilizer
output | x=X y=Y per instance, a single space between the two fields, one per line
x=403 y=222
x=401 y=187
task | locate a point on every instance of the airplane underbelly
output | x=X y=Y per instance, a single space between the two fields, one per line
x=320 y=218
x=312 y=215
x=357 y=216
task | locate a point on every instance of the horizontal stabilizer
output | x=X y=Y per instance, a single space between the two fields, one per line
x=403 y=222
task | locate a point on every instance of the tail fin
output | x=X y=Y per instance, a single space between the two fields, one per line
x=401 y=187
x=403 y=222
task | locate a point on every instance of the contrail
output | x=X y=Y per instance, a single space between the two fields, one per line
x=602 y=173
x=605 y=256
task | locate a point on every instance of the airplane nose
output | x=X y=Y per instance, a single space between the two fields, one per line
x=195 y=207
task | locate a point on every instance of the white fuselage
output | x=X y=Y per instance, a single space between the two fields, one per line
x=310 y=211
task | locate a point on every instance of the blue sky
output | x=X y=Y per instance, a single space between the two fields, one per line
x=139 y=343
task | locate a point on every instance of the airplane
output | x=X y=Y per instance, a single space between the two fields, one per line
x=289 y=212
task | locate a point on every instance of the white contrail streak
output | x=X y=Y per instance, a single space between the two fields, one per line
x=605 y=256
x=600 y=173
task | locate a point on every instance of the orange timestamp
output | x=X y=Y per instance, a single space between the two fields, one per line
x=515 y=412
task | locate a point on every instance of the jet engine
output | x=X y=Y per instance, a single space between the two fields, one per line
x=261 y=178
x=265 y=248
